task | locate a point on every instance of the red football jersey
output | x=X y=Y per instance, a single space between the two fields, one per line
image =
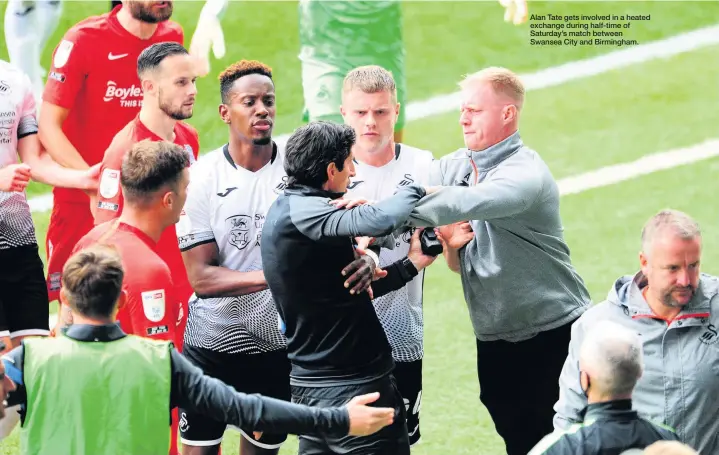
x=110 y=192
x=94 y=76
x=151 y=308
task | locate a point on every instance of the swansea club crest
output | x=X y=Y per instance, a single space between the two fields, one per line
x=239 y=227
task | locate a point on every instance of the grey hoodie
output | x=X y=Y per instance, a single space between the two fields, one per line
x=516 y=273
x=680 y=384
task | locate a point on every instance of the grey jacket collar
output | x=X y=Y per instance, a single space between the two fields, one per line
x=492 y=156
x=638 y=306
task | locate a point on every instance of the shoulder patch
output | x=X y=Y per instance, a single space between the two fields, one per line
x=62 y=54
x=153 y=303
x=109 y=183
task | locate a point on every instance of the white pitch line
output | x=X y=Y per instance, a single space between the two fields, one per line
x=648 y=164
x=549 y=77
x=617 y=173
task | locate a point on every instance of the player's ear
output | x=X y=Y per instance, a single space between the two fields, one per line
x=224 y=113
x=396 y=111
x=331 y=171
x=121 y=301
x=510 y=113
x=168 y=199
x=342 y=111
x=147 y=85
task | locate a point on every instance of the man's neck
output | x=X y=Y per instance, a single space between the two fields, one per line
x=142 y=30
x=250 y=156
x=146 y=222
x=84 y=320
x=594 y=398
x=376 y=158
x=158 y=122
x=658 y=307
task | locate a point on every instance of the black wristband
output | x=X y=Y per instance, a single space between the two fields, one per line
x=409 y=271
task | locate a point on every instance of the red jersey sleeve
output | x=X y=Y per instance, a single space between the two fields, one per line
x=69 y=69
x=151 y=311
x=109 y=192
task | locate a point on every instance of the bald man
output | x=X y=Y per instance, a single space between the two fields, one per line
x=610 y=364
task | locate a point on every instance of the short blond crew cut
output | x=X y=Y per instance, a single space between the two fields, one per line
x=370 y=79
x=503 y=81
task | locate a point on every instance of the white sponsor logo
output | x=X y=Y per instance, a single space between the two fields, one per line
x=109 y=183
x=63 y=53
x=112 y=56
x=153 y=302
x=115 y=92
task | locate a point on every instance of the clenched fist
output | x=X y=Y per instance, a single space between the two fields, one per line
x=14 y=178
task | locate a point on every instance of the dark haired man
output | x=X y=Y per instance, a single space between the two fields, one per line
x=124 y=386
x=336 y=343
x=233 y=326
x=168 y=83
x=167 y=78
x=92 y=91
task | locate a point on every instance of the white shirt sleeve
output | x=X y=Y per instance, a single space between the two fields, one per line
x=27 y=123
x=194 y=227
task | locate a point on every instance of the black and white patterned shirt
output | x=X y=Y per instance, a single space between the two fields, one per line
x=227 y=204
x=400 y=311
x=17 y=120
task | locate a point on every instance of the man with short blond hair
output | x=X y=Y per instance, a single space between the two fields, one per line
x=370 y=79
x=521 y=288
x=675 y=310
x=502 y=80
x=370 y=107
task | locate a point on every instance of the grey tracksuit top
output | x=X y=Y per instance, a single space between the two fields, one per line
x=517 y=275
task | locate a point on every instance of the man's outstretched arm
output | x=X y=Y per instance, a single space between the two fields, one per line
x=192 y=389
x=504 y=194
x=317 y=219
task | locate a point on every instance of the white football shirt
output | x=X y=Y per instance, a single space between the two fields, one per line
x=400 y=311
x=227 y=204
x=17 y=120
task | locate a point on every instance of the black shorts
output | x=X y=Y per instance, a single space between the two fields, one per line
x=23 y=293
x=409 y=383
x=267 y=374
x=391 y=440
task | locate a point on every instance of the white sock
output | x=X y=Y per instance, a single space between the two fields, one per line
x=10 y=421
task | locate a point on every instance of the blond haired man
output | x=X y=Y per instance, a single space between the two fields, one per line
x=370 y=107
x=519 y=283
